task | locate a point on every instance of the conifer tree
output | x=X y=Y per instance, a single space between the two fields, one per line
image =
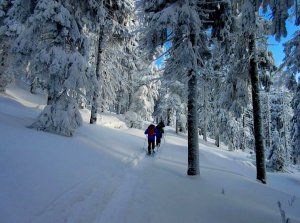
x=292 y=54
x=13 y=17
x=112 y=32
x=57 y=48
x=277 y=161
x=295 y=132
x=5 y=75
x=143 y=80
x=181 y=21
x=172 y=104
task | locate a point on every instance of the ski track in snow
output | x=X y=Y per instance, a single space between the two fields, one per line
x=118 y=207
x=84 y=201
x=121 y=200
x=72 y=204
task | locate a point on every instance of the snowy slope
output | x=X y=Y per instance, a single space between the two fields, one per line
x=101 y=175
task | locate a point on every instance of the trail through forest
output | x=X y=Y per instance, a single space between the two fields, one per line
x=103 y=174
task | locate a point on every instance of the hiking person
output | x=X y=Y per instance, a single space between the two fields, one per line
x=160 y=129
x=152 y=132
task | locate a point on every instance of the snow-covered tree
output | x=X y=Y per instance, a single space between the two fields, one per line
x=292 y=54
x=133 y=120
x=292 y=47
x=204 y=106
x=266 y=67
x=143 y=99
x=277 y=118
x=143 y=80
x=13 y=25
x=183 y=23
x=279 y=15
x=13 y=16
x=277 y=161
x=171 y=105
x=57 y=48
x=291 y=83
x=295 y=131
x=266 y=109
x=229 y=74
x=5 y=76
x=113 y=32
x=248 y=24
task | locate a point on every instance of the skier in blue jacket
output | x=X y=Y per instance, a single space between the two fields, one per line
x=160 y=129
x=152 y=132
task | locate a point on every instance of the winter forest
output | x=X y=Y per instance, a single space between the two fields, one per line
x=202 y=66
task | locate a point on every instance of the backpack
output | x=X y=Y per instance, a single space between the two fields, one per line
x=151 y=131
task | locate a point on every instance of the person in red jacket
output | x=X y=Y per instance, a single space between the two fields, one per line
x=152 y=132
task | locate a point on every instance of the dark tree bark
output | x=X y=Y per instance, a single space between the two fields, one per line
x=33 y=85
x=217 y=142
x=33 y=4
x=193 y=146
x=95 y=101
x=257 y=118
x=168 y=117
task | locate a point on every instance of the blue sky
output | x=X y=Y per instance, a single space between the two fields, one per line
x=277 y=47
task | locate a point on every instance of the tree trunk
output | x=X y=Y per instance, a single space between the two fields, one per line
x=94 y=110
x=95 y=101
x=242 y=142
x=53 y=95
x=269 y=140
x=257 y=118
x=118 y=106
x=204 y=129
x=168 y=117
x=33 y=85
x=33 y=4
x=285 y=128
x=193 y=146
x=217 y=142
x=204 y=132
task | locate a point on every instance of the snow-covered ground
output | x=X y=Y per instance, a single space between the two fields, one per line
x=101 y=175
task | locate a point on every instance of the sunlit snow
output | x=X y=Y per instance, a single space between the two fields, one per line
x=102 y=175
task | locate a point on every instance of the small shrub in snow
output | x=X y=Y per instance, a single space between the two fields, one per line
x=133 y=120
x=5 y=79
x=62 y=117
x=277 y=161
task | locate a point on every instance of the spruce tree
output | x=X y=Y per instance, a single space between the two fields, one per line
x=292 y=54
x=13 y=18
x=277 y=161
x=182 y=22
x=6 y=76
x=56 y=46
x=112 y=33
x=295 y=132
